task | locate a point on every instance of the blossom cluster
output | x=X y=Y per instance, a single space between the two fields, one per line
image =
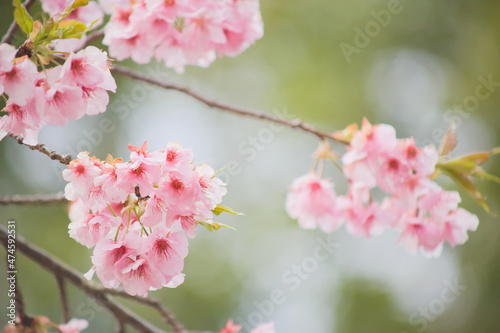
x=90 y=14
x=262 y=328
x=181 y=32
x=135 y=212
x=54 y=95
x=412 y=202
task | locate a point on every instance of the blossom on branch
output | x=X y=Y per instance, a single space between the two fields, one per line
x=135 y=213
x=181 y=32
x=412 y=202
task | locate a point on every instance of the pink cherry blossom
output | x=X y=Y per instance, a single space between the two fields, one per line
x=7 y=55
x=410 y=201
x=165 y=251
x=111 y=258
x=80 y=175
x=74 y=326
x=21 y=120
x=139 y=276
x=88 y=68
x=19 y=81
x=89 y=230
x=61 y=103
x=141 y=172
x=312 y=201
x=182 y=32
x=137 y=214
x=264 y=328
x=212 y=187
x=230 y=327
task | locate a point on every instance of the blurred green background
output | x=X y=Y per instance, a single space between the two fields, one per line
x=412 y=72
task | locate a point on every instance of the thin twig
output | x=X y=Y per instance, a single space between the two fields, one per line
x=120 y=327
x=154 y=303
x=296 y=123
x=37 y=199
x=64 y=159
x=98 y=34
x=59 y=268
x=7 y=38
x=64 y=298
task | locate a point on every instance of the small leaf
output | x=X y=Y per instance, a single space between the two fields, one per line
x=346 y=134
x=68 y=29
x=481 y=174
x=463 y=179
x=207 y=225
x=79 y=3
x=449 y=141
x=37 y=26
x=219 y=209
x=23 y=18
x=213 y=226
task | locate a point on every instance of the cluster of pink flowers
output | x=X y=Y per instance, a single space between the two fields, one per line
x=411 y=202
x=90 y=14
x=262 y=328
x=55 y=95
x=181 y=32
x=135 y=212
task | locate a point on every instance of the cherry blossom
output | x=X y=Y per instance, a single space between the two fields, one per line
x=56 y=94
x=411 y=201
x=311 y=200
x=181 y=32
x=74 y=326
x=19 y=81
x=137 y=213
x=262 y=328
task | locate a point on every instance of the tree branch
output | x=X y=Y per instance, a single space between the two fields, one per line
x=64 y=298
x=154 y=303
x=7 y=38
x=59 y=268
x=295 y=124
x=94 y=36
x=36 y=199
x=64 y=159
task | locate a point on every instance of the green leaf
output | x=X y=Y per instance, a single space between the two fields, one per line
x=481 y=174
x=219 y=209
x=79 y=3
x=68 y=29
x=449 y=141
x=213 y=226
x=23 y=18
x=462 y=178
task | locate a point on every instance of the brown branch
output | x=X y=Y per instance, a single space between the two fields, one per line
x=154 y=303
x=64 y=298
x=59 y=268
x=7 y=38
x=98 y=34
x=36 y=199
x=64 y=159
x=295 y=124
